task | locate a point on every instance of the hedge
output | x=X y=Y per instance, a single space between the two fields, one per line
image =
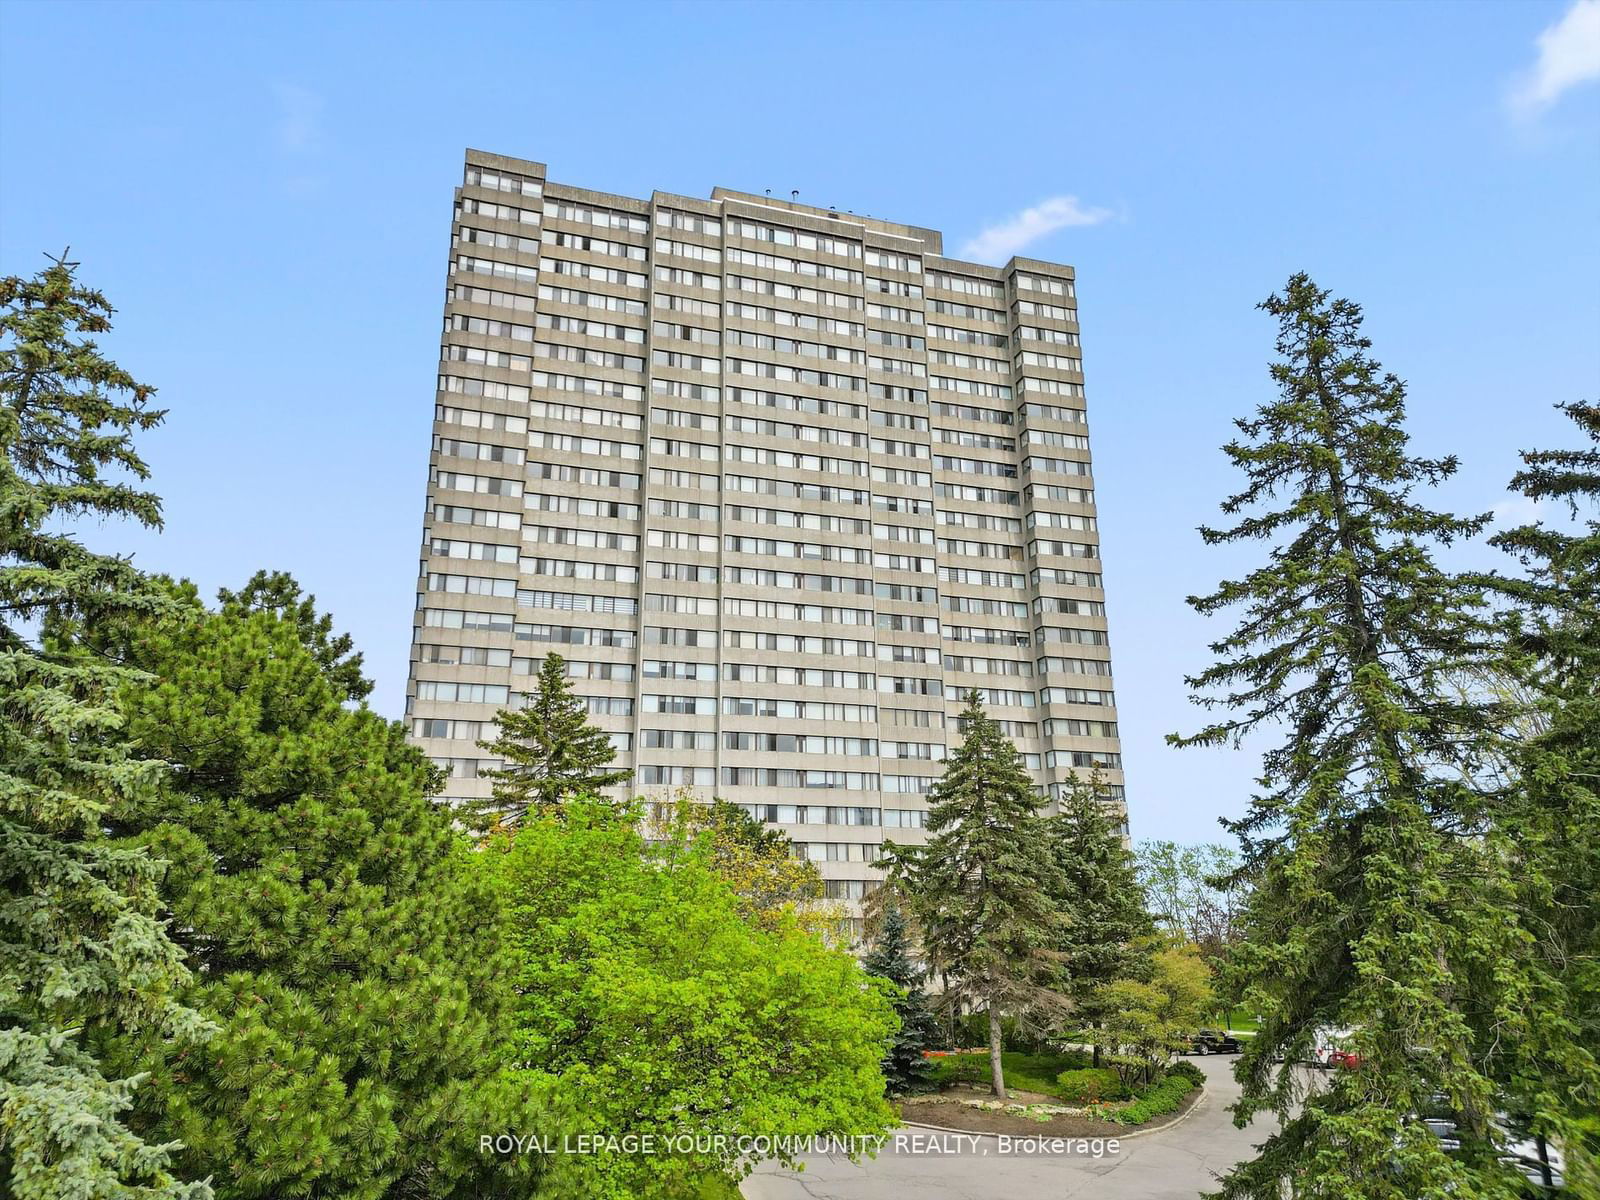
x=1159 y=1099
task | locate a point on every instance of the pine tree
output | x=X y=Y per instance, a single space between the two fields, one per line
x=1553 y=811
x=551 y=751
x=347 y=942
x=1107 y=932
x=983 y=889
x=905 y=1069
x=1382 y=902
x=277 y=591
x=80 y=945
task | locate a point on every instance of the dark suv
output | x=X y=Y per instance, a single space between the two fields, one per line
x=1213 y=1041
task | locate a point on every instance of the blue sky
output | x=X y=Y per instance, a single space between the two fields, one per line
x=264 y=191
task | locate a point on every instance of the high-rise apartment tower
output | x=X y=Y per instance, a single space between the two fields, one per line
x=781 y=484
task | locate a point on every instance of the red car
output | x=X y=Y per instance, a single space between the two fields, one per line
x=1346 y=1060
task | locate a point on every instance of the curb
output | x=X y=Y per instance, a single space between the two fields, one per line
x=1178 y=1120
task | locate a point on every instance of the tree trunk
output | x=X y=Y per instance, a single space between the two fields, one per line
x=1095 y=1049
x=997 y=1078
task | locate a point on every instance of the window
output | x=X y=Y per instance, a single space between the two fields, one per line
x=587 y=328
x=596 y=271
x=698 y=706
x=595 y=300
x=967 y=286
x=953 y=308
x=675 y=776
x=471 y=418
x=573 y=602
x=690 y=250
x=454 y=730
x=971 y=337
x=465 y=656
x=602 y=218
x=457 y=514
x=502 y=181
x=459 y=548
x=890 y=261
x=465 y=293
x=463 y=693
x=471 y=585
x=668 y=218
x=1050 y=287
x=497 y=270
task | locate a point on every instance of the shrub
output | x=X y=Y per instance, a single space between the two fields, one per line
x=1157 y=1100
x=959 y=1068
x=1187 y=1070
x=1085 y=1085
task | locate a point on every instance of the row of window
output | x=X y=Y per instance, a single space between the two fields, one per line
x=769 y=578
x=959 y=285
x=487 y=693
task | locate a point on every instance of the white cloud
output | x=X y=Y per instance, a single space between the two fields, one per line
x=1015 y=234
x=299 y=125
x=1518 y=510
x=1569 y=55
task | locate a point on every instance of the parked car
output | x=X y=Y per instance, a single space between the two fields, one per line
x=1213 y=1041
x=1538 y=1162
x=1325 y=1044
x=1344 y=1060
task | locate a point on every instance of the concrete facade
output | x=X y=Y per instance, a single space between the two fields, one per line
x=782 y=484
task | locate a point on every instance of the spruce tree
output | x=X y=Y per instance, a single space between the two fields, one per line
x=905 y=1069
x=1383 y=903
x=347 y=941
x=1106 y=934
x=1553 y=809
x=550 y=749
x=80 y=944
x=983 y=890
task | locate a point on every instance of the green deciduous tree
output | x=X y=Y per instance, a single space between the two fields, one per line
x=1553 y=809
x=984 y=890
x=1149 y=1020
x=1195 y=893
x=771 y=883
x=346 y=944
x=550 y=749
x=648 y=1002
x=1106 y=933
x=1383 y=902
x=905 y=1069
x=80 y=944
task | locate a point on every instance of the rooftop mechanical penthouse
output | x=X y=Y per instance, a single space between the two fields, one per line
x=781 y=484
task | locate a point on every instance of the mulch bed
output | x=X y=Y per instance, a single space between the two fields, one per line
x=949 y=1112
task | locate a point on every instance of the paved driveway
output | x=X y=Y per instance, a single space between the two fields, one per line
x=1175 y=1165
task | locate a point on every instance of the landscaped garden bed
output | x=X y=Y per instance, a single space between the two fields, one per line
x=1050 y=1095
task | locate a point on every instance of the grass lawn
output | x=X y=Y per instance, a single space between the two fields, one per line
x=1025 y=1072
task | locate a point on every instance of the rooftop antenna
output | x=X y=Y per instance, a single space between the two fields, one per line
x=769 y=193
x=795 y=195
